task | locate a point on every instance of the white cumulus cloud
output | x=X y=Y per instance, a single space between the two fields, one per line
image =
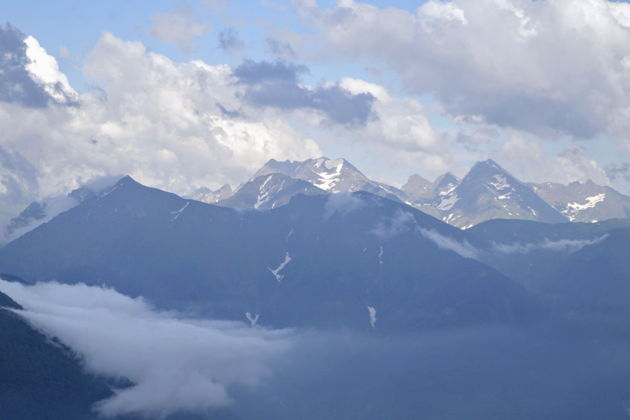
x=173 y=125
x=546 y=67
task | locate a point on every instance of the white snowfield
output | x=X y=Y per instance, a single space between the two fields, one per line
x=328 y=180
x=591 y=202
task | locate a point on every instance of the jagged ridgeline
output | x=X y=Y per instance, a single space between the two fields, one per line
x=487 y=192
x=320 y=260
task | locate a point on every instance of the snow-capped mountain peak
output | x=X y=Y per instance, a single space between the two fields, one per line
x=209 y=196
x=268 y=192
x=417 y=187
x=329 y=173
x=312 y=176
x=445 y=184
x=488 y=192
x=585 y=201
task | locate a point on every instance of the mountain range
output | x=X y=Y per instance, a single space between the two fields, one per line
x=330 y=260
x=288 y=253
x=487 y=192
x=319 y=261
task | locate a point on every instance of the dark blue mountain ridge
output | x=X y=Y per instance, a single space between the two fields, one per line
x=340 y=260
x=581 y=269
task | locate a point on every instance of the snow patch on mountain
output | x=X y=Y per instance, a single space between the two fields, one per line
x=252 y=318
x=448 y=201
x=590 y=203
x=372 y=314
x=330 y=177
x=179 y=212
x=499 y=182
x=263 y=193
x=276 y=271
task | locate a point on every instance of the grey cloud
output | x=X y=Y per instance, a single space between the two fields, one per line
x=464 y=249
x=342 y=203
x=18 y=186
x=18 y=178
x=563 y=245
x=276 y=84
x=254 y=72
x=178 y=27
x=280 y=49
x=620 y=171
x=192 y=362
x=229 y=41
x=16 y=84
x=400 y=222
x=545 y=67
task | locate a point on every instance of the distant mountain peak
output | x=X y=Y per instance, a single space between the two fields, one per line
x=206 y=195
x=417 y=187
x=585 y=201
x=445 y=184
x=486 y=166
x=44 y=210
x=489 y=192
x=332 y=175
x=127 y=180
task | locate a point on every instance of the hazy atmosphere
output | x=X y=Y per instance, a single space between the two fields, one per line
x=315 y=209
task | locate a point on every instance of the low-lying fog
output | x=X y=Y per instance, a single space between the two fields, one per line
x=181 y=364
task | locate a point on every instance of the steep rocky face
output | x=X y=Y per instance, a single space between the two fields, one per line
x=330 y=175
x=417 y=188
x=490 y=192
x=320 y=261
x=268 y=192
x=585 y=201
x=209 y=196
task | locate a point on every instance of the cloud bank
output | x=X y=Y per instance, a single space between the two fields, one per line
x=176 y=364
x=175 y=126
x=546 y=67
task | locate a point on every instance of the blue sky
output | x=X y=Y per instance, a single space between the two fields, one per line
x=78 y=25
x=434 y=92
